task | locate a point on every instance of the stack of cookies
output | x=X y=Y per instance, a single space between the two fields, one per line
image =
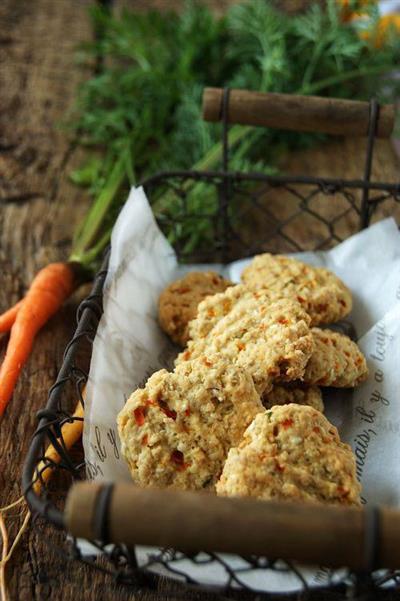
x=242 y=412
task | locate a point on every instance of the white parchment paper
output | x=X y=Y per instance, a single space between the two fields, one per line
x=129 y=347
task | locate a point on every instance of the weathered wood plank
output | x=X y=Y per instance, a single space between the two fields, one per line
x=39 y=209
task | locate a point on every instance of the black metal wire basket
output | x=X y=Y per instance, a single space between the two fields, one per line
x=327 y=210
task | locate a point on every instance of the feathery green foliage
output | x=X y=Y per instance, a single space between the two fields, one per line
x=141 y=113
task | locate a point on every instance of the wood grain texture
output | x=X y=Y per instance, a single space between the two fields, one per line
x=38 y=211
x=297 y=113
x=192 y=520
x=189 y=520
x=39 y=208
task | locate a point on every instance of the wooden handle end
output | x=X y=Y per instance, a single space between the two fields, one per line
x=80 y=510
x=212 y=104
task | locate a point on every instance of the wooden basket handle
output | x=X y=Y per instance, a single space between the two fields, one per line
x=191 y=522
x=299 y=113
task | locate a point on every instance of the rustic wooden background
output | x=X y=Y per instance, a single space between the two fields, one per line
x=39 y=209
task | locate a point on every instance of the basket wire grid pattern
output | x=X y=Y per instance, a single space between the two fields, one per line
x=360 y=202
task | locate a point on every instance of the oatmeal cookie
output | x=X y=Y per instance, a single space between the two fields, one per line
x=323 y=295
x=270 y=340
x=176 y=432
x=291 y=452
x=335 y=361
x=294 y=392
x=212 y=309
x=178 y=303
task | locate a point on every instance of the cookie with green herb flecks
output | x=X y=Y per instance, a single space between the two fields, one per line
x=322 y=294
x=291 y=453
x=336 y=361
x=269 y=338
x=176 y=432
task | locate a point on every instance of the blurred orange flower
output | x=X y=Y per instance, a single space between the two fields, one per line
x=352 y=11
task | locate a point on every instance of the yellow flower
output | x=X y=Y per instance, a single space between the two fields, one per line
x=386 y=25
x=353 y=9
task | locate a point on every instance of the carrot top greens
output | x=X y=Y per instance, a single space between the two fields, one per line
x=141 y=113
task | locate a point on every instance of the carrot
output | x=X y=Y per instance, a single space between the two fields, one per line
x=49 y=289
x=7 y=318
x=71 y=433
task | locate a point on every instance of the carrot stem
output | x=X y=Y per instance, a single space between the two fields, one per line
x=7 y=318
x=89 y=230
x=91 y=255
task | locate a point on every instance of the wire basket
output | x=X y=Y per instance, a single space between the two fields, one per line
x=327 y=209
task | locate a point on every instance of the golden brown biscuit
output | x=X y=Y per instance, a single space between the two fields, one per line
x=176 y=432
x=270 y=340
x=323 y=295
x=212 y=309
x=178 y=302
x=291 y=453
x=295 y=392
x=335 y=361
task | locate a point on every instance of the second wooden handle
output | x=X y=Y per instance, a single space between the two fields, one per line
x=191 y=522
x=298 y=113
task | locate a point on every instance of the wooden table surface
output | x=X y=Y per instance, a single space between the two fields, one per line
x=38 y=79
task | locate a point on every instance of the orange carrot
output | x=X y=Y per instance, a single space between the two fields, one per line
x=71 y=433
x=49 y=289
x=7 y=318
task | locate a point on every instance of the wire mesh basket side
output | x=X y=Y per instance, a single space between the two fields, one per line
x=254 y=196
x=245 y=214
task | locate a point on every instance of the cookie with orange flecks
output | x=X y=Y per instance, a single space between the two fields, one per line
x=176 y=432
x=335 y=361
x=322 y=294
x=291 y=453
x=270 y=339
x=178 y=302
x=213 y=308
